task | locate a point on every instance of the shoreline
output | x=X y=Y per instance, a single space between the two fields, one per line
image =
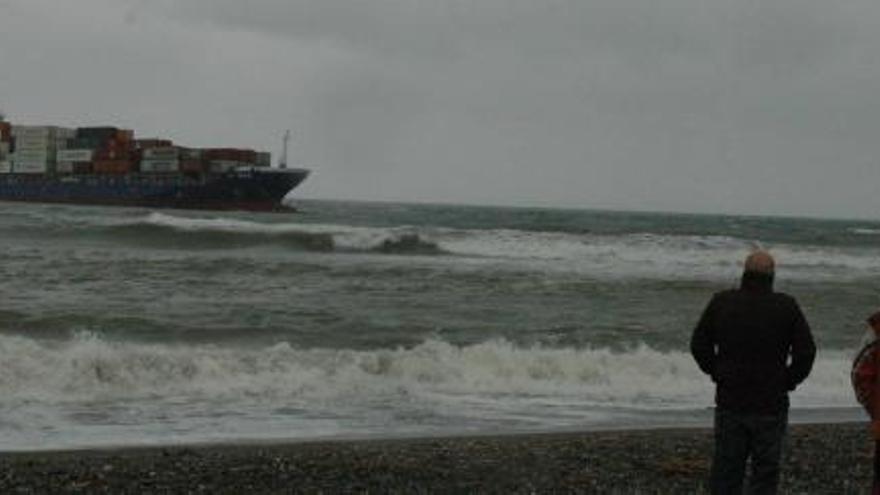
x=697 y=420
x=819 y=458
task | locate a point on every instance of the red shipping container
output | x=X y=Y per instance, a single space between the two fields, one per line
x=193 y=166
x=5 y=131
x=231 y=154
x=115 y=144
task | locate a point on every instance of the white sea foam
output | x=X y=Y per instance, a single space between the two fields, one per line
x=92 y=391
x=88 y=368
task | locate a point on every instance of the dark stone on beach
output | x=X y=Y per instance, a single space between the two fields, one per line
x=819 y=459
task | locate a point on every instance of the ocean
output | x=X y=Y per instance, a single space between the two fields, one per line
x=126 y=326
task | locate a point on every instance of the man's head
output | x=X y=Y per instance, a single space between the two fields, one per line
x=760 y=262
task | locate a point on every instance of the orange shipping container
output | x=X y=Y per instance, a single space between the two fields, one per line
x=113 y=153
x=113 y=166
x=125 y=135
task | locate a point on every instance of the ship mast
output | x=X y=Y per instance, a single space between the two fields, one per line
x=283 y=162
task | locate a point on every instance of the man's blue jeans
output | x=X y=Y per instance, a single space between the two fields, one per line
x=739 y=437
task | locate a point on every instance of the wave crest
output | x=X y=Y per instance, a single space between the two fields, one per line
x=88 y=367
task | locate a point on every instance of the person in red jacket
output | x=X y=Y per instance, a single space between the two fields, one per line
x=866 y=384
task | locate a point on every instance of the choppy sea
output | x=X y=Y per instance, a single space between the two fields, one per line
x=123 y=326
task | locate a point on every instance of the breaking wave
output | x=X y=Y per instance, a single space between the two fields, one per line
x=865 y=231
x=628 y=255
x=88 y=368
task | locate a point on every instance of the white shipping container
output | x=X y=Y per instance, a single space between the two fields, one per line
x=65 y=133
x=35 y=141
x=5 y=167
x=222 y=166
x=24 y=155
x=19 y=162
x=30 y=168
x=155 y=166
x=64 y=167
x=27 y=138
x=33 y=149
x=22 y=131
x=191 y=153
x=75 y=155
x=166 y=153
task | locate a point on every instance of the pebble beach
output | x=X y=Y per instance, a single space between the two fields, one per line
x=820 y=458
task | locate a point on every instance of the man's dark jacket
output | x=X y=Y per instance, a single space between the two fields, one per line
x=744 y=340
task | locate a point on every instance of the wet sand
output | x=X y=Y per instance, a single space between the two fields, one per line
x=829 y=458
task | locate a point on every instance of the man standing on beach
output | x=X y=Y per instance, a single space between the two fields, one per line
x=757 y=346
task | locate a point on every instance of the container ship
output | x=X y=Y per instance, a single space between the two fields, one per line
x=110 y=166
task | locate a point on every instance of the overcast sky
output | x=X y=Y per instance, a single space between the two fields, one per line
x=717 y=106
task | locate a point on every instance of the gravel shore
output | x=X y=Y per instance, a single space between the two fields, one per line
x=830 y=458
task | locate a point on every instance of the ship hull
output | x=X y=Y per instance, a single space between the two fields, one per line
x=250 y=189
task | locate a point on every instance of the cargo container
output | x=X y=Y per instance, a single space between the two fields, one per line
x=31 y=167
x=223 y=166
x=264 y=159
x=84 y=143
x=40 y=155
x=5 y=167
x=99 y=133
x=5 y=131
x=191 y=153
x=65 y=133
x=35 y=138
x=159 y=166
x=124 y=135
x=112 y=167
x=32 y=147
x=17 y=159
x=230 y=154
x=33 y=131
x=167 y=153
x=73 y=167
x=153 y=143
x=75 y=155
x=119 y=144
x=193 y=166
x=112 y=154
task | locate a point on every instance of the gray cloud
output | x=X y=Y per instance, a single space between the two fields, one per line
x=730 y=106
